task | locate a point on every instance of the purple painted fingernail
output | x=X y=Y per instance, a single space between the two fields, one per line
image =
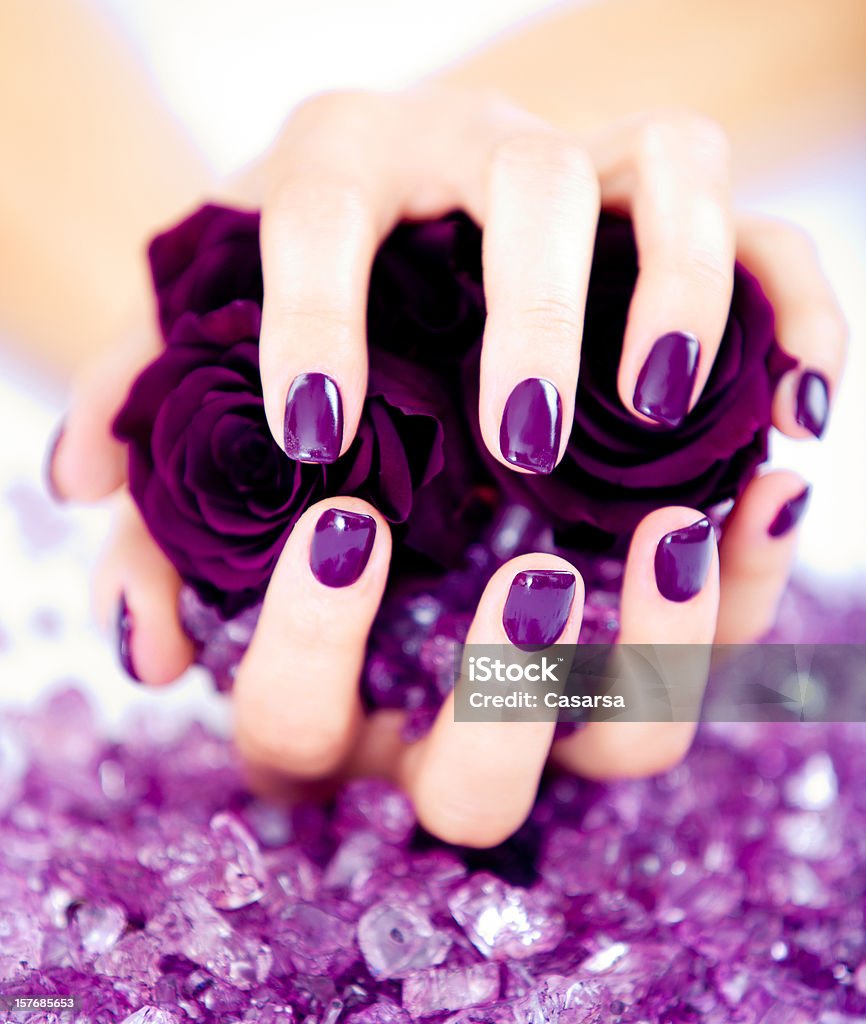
x=537 y=607
x=48 y=469
x=813 y=402
x=683 y=559
x=531 y=425
x=341 y=546
x=665 y=383
x=789 y=514
x=313 y=424
x=124 y=639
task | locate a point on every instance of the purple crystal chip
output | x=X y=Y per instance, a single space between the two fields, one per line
x=504 y=922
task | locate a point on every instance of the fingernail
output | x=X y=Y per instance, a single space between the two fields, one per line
x=48 y=469
x=124 y=639
x=789 y=514
x=683 y=559
x=537 y=607
x=313 y=424
x=813 y=402
x=531 y=426
x=665 y=383
x=341 y=546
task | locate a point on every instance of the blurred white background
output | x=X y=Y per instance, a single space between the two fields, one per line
x=230 y=72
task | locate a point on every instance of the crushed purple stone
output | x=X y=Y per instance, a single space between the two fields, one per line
x=144 y=878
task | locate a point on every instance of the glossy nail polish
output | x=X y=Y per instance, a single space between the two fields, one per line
x=683 y=559
x=341 y=546
x=313 y=425
x=789 y=514
x=537 y=607
x=48 y=468
x=665 y=383
x=531 y=425
x=813 y=402
x=124 y=639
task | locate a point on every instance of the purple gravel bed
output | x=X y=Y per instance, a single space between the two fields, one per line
x=146 y=879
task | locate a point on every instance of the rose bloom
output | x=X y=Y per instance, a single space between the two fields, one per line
x=616 y=468
x=217 y=493
x=220 y=497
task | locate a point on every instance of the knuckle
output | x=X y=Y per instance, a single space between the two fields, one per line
x=702 y=139
x=321 y=318
x=785 y=236
x=706 y=139
x=331 y=107
x=546 y=153
x=708 y=266
x=325 y=196
x=554 y=315
x=829 y=323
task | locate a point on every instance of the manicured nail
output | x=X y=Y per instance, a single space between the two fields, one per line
x=341 y=546
x=313 y=425
x=124 y=639
x=813 y=402
x=531 y=425
x=48 y=469
x=789 y=514
x=683 y=559
x=665 y=383
x=537 y=607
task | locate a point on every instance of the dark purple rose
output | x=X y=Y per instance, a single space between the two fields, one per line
x=217 y=493
x=617 y=469
x=205 y=262
x=426 y=299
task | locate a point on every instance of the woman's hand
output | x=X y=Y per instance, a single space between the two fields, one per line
x=348 y=166
x=298 y=714
x=345 y=169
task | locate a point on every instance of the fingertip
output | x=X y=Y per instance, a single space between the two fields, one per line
x=530 y=431
x=757 y=551
x=608 y=751
x=661 y=391
x=532 y=601
x=151 y=645
x=50 y=475
x=671 y=585
x=83 y=463
x=769 y=508
x=343 y=546
x=313 y=427
x=801 y=404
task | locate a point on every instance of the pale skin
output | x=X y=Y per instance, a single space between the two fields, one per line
x=331 y=189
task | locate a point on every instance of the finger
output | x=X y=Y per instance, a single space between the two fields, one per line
x=474 y=783
x=321 y=224
x=353 y=177
x=673 y=173
x=136 y=595
x=810 y=324
x=85 y=461
x=540 y=217
x=318 y=240
x=756 y=553
x=670 y=596
x=296 y=701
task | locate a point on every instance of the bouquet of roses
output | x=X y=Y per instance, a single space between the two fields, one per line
x=220 y=497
